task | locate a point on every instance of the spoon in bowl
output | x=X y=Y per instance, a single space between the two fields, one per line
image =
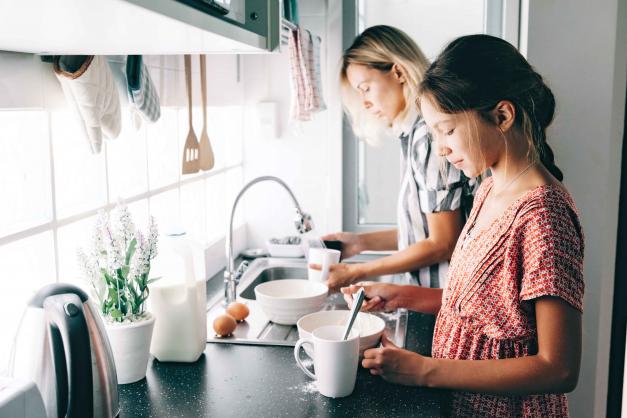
x=359 y=299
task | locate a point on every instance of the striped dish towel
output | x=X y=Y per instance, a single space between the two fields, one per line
x=142 y=93
x=306 y=76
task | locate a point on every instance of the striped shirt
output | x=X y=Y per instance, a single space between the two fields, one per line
x=425 y=188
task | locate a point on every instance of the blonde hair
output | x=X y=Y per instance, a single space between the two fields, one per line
x=380 y=47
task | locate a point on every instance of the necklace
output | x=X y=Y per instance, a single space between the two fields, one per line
x=524 y=170
x=471 y=228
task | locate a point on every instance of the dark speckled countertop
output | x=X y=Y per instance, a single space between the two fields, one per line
x=264 y=381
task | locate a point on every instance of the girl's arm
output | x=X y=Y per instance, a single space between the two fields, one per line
x=389 y=297
x=554 y=369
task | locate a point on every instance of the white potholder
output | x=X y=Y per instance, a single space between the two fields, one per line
x=91 y=91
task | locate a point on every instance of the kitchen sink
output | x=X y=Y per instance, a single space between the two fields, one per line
x=258 y=330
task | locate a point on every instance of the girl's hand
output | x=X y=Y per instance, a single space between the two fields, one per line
x=339 y=274
x=379 y=296
x=351 y=243
x=395 y=364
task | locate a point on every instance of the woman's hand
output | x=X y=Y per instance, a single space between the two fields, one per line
x=340 y=274
x=379 y=296
x=395 y=364
x=351 y=243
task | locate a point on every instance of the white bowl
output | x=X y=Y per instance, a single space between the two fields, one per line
x=370 y=327
x=286 y=301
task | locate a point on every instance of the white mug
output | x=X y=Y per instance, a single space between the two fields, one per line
x=335 y=360
x=325 y=257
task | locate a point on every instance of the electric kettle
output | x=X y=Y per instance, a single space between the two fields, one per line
x=62 y=346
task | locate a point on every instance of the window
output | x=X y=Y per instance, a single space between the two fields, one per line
x=53 y=187
x=370 y=193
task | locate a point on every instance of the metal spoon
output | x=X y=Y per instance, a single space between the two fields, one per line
x=361 y=293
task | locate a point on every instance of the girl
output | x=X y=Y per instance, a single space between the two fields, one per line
x=380 y=75
x=515 y=290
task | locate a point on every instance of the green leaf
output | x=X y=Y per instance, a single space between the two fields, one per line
x=154 y=279
x=107 y=277
x=130 y=251
x=116 y=314
x=125 y=271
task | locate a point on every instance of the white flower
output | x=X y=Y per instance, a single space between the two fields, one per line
x=141 y=261
x=153 y=238
x=124 y=228
x=92 y=274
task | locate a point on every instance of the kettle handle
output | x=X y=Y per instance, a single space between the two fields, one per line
x=71 y=349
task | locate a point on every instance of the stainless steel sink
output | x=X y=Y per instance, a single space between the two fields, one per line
x=257 y=329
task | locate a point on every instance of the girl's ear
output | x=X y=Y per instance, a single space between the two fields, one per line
x=504 y=115
x=399 y=73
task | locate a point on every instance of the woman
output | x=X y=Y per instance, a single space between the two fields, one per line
x=380 y=75
x=515 y=290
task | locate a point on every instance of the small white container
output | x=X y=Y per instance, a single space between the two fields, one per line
x=178 y=301
x=129 y=344
x=285 y=250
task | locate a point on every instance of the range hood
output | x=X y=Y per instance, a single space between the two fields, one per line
x=125 y=27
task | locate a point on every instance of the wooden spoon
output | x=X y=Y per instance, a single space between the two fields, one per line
x=190 y=150
x=206 y=153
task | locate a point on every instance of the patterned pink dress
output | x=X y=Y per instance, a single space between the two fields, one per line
x=534 y=249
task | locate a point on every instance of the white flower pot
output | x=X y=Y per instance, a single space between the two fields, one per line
x=130 y=343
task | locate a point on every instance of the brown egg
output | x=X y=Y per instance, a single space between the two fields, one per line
x=237 y=310
x=224 y=325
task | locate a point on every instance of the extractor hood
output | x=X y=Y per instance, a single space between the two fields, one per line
x=121 y=27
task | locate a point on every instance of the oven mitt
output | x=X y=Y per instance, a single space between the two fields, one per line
x=88 y=85
x=142 y=93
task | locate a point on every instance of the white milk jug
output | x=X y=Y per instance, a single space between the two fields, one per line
x=178 y=301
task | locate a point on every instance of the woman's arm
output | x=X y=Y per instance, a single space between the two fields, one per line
x=353 y=244
x=380 y=240
x=554 y=369
x=444 y=229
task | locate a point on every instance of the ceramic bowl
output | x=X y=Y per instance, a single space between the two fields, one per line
x=370 y=327
x=286 y=301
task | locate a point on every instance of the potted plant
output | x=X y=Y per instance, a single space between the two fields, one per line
x=117 y=269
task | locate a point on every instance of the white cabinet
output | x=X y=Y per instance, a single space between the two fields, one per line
x=110 y=27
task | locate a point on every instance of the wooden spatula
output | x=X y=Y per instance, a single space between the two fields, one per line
x=190 y=150
x=206 y=153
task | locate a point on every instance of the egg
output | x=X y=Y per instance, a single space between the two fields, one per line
x=224 y=325
x=237 y=310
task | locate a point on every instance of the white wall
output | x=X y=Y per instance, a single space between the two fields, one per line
x=307 y=155
x=584 y=62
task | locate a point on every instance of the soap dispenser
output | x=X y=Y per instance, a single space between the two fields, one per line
x=178 y=301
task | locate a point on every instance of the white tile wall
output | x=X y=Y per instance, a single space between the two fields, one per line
x=24 y=170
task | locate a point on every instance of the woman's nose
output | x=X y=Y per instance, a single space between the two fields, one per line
x=443 y=151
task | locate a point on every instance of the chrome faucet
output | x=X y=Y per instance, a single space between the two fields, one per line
x=302 y=222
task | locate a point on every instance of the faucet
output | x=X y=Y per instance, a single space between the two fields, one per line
x=302 y=222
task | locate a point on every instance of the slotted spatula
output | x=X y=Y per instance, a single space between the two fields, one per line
x=191 y=149
x=206 y=153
